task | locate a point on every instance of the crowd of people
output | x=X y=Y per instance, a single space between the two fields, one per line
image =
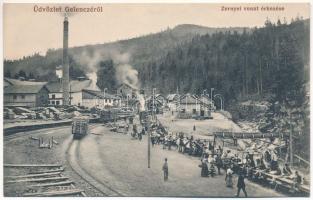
x=213 y=160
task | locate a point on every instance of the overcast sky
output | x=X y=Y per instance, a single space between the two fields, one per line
x=27 y=32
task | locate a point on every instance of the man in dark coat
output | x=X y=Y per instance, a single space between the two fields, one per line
x=165 y=170
x=241 y=185
x=143 y=132
x=139 y=136
x=219 y=164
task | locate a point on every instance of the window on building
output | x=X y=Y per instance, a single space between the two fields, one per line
x=57 y=102
x=110 y=101
x=194 y=111
x=23 y=96
x=106 y=101
x=14 y=97
x=53 y=96
x=183 y=110
x=53 y=102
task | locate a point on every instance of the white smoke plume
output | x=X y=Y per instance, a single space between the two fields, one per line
x=93 y=77
x=125 y=73
x=90 y=61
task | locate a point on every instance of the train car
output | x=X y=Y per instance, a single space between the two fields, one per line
x=113 y=114
x=80 y=127
x=143 y=117
x=108 y=115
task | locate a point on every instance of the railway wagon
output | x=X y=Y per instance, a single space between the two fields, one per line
x=113 y=114
x=143 y=117
x=80 y=127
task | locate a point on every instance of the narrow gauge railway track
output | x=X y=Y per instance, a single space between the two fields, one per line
x=72 y=157
x=7 y=138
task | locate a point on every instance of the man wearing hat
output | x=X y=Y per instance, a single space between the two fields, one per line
x=165 y=170
x=241 y=184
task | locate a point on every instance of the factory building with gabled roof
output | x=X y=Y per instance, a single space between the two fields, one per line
x=76 y=91
x=26 y=95
x=91 y=98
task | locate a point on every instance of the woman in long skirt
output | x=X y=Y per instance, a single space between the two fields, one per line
x=204 y=168
x=229 y=178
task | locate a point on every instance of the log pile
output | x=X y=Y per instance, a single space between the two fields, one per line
x=44 y=180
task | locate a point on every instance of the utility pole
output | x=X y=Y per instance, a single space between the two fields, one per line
x=127 y=102
x=221 y=99
x=211 y=99
x=291 y=141
x=196 y=104
x=104 y=97
x=153 y=104
x=149 y=129
x=178 y=103
x=186 y=103
x=70 y=100
x=147 y=123
x=204 y=107
x=153 y=118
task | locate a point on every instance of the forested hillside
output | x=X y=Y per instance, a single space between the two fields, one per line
x=142 y=50
x=273 y=59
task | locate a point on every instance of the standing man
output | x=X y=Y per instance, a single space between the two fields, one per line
x=165 y=170
x=135 y=130
x=139 y=136
x=219 y=164
x=241 y=185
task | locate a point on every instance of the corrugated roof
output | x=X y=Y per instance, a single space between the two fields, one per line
x=54 y=87
x=189 y=99
x=100 y=94
x=19 y=82
x=76 y=86
x=192 y=99
x=159 y=96
x=171 y=97
x=127 y=85
x=150 y=101
x=23 y=89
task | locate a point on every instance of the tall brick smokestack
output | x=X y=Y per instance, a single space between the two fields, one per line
x=66 y=74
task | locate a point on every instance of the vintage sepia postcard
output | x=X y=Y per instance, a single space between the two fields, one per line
x=156 y=100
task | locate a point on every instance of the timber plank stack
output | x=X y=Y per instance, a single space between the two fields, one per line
x=283 y=183
x=41 y=181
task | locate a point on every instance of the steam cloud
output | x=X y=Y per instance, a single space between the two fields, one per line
x=93 y=77
x=125 y=73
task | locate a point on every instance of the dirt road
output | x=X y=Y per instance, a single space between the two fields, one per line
x=120 y=162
